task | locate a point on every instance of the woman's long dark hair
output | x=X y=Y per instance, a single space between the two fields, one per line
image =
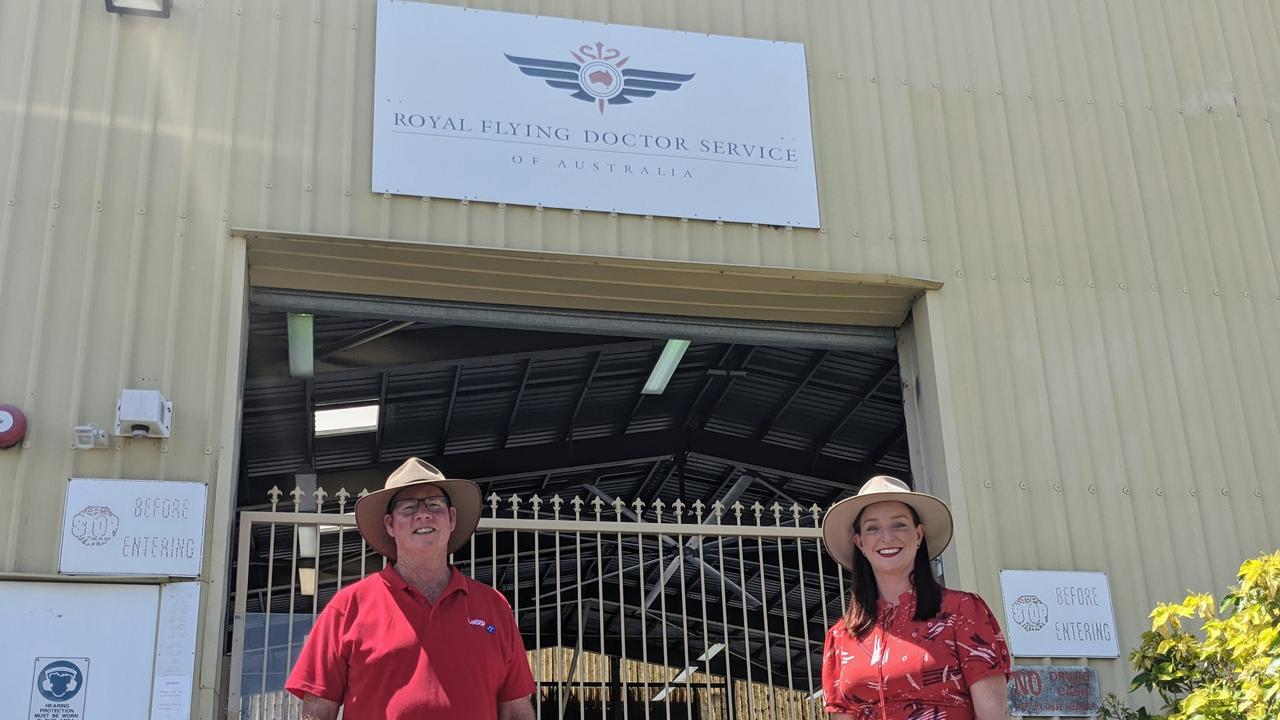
x=861 y=616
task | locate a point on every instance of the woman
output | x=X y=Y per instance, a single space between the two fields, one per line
x=907 y=649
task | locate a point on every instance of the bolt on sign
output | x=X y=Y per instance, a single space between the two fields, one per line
x=1049 y=690
x=133 y=527
x=1051 y=613
x=58 y=688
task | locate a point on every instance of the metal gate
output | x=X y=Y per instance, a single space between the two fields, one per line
x=628 y=610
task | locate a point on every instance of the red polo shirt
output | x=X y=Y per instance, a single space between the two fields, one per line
x=384 y=651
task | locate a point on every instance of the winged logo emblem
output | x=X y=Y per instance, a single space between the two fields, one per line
x=598 y=76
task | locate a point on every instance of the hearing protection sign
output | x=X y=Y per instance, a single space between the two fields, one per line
x=58 y=688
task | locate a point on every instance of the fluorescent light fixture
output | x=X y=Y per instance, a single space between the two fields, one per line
x=302 y=350
x=688 y=672
x=307 y=581
x=347 y=420
x=149 y=8
x=666 y=366
x=711 y=652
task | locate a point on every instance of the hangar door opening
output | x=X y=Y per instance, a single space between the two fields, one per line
x=659 y=545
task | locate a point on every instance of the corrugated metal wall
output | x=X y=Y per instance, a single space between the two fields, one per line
x=1096 y=181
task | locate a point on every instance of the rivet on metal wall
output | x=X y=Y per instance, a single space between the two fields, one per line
x=97 y=207
x=208 y=450
x=1059 y=98
x=1023 y=484
x=720 y=223
x=1123 y=286
x=1226 y=492
x=142 y=211
x=840 y=75
x=905 y=81
x=1057 y=487
x=684 y=220
x=1248 y=295
x=873 y=78
x=1030 y=96
x=1160 y=492
x=1026 y=278
x=755 y=226
x=386 y=196
x=502 y=206
x=1155 y=288
x=183 y=214
x=1089 y=101
x=465 y=202
x=11 y=201
x=994 y=276
x=1093 y=284
x=1194 y=492
x=1181 y=110
x=347 y=192
x=968 y=88
x=279 y=15
x=307 y=187
x=576 y=211
x=54 y=205
x=924 y=238
x=959 y=273
x=1093 y=489
x=890 y=236
x=999 y=91
x=315 y=18
x=1120 y=104
x=987 y=483
x=936 y=85
x=1058 y=280
x=1151 y=107
x=1186 y=290
x=1208 y=108
x=164 y=447
x=1126 y=491
x=1217 y=292
x=267 y=184
x=1257 y=492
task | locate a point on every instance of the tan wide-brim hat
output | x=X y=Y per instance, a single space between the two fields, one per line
x=464 y=496
x=837 y=525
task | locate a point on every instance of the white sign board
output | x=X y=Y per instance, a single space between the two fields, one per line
x=75 y=650
x=503 y=107
x=133 y=527
x=1059 y=614
x=175 y=651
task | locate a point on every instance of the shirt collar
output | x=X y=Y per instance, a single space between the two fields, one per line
x=457 y=581
x=906 y=604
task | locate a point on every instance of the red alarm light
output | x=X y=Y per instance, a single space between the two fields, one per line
x=13 y=426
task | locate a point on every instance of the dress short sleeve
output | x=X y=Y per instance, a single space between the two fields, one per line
x=980 y=644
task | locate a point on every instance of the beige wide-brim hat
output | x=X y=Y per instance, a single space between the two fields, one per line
x=464 y=495
x=837 y=525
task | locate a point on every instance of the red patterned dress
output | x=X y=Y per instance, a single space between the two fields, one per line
x=918 y=670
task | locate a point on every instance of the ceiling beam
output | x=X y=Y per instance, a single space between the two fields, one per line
x=785 y=403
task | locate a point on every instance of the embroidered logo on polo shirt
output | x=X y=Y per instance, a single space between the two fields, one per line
x=482 y=623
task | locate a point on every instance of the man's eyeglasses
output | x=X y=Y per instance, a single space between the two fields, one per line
x=409 y=506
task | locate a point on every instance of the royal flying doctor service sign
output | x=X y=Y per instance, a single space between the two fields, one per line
x=504 y=107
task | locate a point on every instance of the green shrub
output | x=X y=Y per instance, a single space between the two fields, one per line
x=1227 y=670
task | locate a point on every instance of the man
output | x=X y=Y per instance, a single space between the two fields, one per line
x=419 y=639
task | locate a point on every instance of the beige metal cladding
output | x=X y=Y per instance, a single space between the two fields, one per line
x=1095 y=182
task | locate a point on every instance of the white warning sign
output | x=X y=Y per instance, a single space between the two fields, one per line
x=58 y=688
